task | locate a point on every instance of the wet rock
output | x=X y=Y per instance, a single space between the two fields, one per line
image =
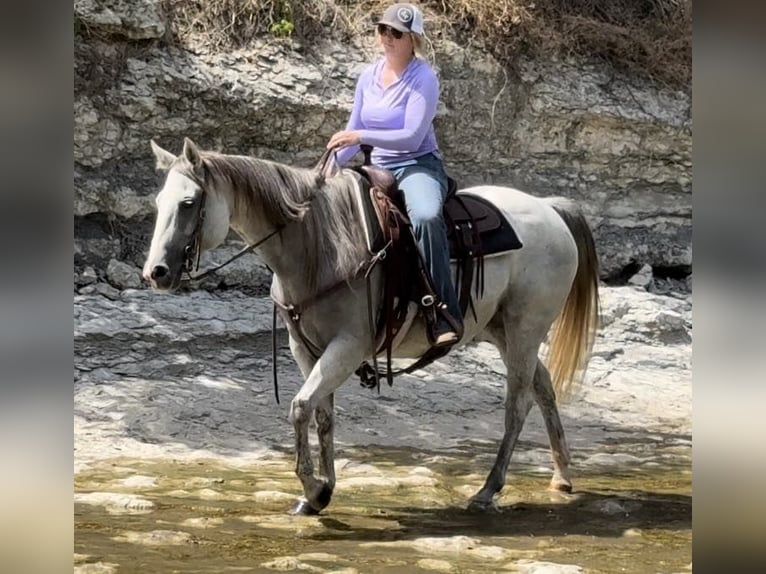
x=96 y=568
x=155 y=538
x=351 y=468
x=319 y=557
x=534 y=567
x=285 y=522
x=450 y=545
x=290 y=563
x=116 y=503
x=417 y=480
x=210 y=494
x=466 y=490
x=268 y=484
x=201 y=481
x=422 y=471
x=367 y=482
x=434 y=564
x=138 y=481
x=612 y=459
x=273 y=497
x=202 y=522
x=179 y=493
x=614 y=507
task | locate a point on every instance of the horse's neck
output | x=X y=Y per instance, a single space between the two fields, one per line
x=284 y=253
x=289 y=254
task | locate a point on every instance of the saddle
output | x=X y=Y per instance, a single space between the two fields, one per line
x=475 y=228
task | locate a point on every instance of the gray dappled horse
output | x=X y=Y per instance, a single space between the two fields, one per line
x=312 y=239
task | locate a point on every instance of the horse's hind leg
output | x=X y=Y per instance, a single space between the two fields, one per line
x=518 y=402
x=546 y=400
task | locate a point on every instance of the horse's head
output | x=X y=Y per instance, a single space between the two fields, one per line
x=192 y=217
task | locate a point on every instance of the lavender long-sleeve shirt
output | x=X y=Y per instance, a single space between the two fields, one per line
x=398 y=120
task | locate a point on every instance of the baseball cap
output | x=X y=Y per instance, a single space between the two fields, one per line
x=403 y=17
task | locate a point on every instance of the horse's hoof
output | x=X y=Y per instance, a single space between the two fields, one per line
x=482 y=506
x=324 y=496
x=561 y=485
x=303 y=508
x=312 y=507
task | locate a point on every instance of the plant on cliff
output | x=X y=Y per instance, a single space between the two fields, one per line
x=649 y=38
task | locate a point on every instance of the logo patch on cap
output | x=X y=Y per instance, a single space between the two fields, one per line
x=404 y=14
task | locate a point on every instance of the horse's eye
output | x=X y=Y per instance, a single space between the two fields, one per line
x=187 y=203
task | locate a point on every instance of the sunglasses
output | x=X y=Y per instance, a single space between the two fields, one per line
x=383 y=30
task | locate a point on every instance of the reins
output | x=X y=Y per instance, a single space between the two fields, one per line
x=231 y=259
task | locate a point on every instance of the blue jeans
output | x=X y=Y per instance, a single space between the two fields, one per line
x=424 y=184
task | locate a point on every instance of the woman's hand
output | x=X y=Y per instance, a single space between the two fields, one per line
x=343 y=139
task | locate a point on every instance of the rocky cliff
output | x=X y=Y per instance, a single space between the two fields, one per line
x=620 y=147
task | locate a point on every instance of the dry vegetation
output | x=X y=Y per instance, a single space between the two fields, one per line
x=650 y=38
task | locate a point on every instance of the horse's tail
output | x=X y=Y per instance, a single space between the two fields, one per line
x=574 y=330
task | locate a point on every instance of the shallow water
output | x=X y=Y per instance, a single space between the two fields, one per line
x=394 y=510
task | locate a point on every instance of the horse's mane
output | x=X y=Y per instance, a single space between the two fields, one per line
x=334 y=243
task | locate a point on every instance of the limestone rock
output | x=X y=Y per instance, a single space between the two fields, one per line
x=535 y=567
x=115 y=503
x=643 y=278
x=155 y=538
x=123 y=275
x=132 y=19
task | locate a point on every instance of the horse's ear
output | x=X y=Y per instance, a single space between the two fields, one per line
x=191 y=153
x=164 y=158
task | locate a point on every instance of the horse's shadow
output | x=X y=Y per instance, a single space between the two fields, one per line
x=587 y=513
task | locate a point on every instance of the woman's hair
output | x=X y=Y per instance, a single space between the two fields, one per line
x=418 y=44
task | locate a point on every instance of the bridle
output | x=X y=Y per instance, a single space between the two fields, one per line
x=193 y=249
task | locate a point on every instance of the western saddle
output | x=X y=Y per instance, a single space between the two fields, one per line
x=468 y=219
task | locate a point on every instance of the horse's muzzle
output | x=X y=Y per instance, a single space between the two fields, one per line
x=160 y=277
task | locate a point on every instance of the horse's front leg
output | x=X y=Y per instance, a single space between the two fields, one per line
x=325 y=420
x=337 y=363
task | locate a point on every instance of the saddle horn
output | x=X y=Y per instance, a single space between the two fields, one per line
x=327 y=164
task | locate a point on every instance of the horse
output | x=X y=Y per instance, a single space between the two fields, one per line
x=307 y=228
